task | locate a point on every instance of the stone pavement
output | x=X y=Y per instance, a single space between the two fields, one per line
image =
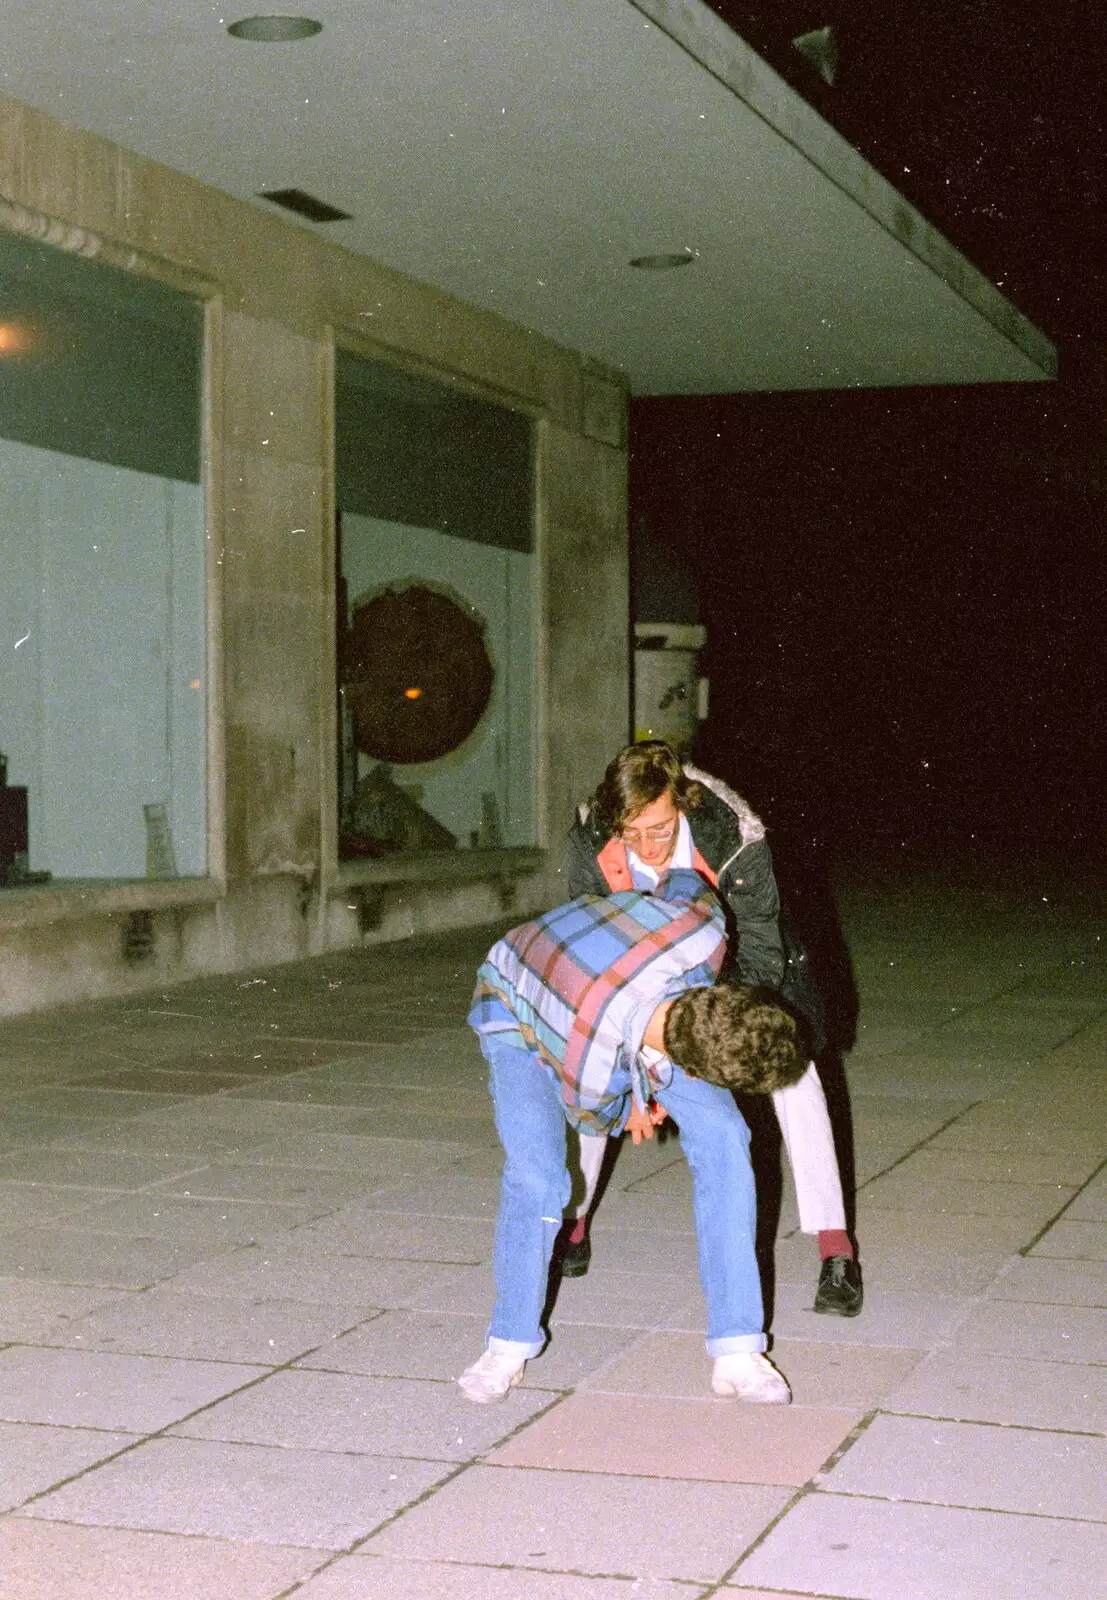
x=245 y=1230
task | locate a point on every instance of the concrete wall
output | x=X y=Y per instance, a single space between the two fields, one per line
x=278 y=297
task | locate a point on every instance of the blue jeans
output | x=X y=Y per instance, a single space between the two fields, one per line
x=530 y=1121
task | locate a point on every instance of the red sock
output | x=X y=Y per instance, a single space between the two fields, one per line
x=834 y=1242
x=579 y=1231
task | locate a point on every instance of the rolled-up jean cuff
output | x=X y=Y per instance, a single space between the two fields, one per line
x=525 y=1349
x=736 y=1342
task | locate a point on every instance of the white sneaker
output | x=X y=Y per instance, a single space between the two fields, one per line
x=491 y=1377
x=747 y=1375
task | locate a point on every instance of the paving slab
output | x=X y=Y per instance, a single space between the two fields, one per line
x=24 y=1205
x=366 y=1229
x=1047 y=1333
x=741 y=1592
x=251 y=1493
x=919 y=1186
x=27 y=1070
x=941 y=1166
x=943 y=1268
x=92 y=1169
x=62 y=1099
x=91 y=1389
x=277 y=1184
x=1007 y=1029
x=384 y=1160
x=877 y=1550
x=18 y=1132
x=34 y=1457
x=966 y=1385
x=359 y=1094
x=52 y=1561
x=1022 y=1129
x=997 y=1468
x=632 y=1209
x=450 y=1193
x=502 y=1516
x=222 y=1116
x=609 y=1299
x=317 y=1088
x=80 y=1256
x=180 y=1141
x=936 y=1068
x=191 y=1221
x=672 y=1179
x=632 y=1299
x=1085 y=1241
x=850 y=1377
x=923 y=1232
x=890 y=1318
x=167 y=1322
x=642 y=1251
x=167 y=1081
x=720 y=1441
x=428 y=1344
x=1053 y=1281
x=1090 y=1205
x=304 y=1410
x=369 y=1577
x=33 y=1312
x=932 y=1111
x=423 y=1127
x=286 y=1269
x=379 y=1071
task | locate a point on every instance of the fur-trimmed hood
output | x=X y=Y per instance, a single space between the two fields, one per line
x=750 y=823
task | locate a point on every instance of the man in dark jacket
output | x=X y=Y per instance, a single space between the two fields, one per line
x=650 y=814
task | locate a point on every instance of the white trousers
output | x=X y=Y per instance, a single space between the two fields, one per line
x=808 y=1139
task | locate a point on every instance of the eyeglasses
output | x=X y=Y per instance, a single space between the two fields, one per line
x=656 y=835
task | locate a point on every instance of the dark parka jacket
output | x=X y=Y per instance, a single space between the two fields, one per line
x=731 y=851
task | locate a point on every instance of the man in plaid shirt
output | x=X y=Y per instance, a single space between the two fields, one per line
x=583 y=1015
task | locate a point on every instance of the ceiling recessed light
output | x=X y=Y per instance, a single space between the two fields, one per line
x=665 y=261
x=275 y=29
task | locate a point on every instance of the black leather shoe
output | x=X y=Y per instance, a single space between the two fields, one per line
x=839 y=1293
x=574 y=1259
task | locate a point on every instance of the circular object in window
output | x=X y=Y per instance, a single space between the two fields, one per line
x=416 y=674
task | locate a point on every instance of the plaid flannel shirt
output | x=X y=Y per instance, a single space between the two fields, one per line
x=578 y=986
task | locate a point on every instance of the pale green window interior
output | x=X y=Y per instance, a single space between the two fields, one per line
x=436 y=616
x=103 y=676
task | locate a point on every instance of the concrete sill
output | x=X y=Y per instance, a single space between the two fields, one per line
x=446 y=867
x=74 y=899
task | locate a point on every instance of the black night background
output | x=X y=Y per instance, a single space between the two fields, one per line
x=904 y=589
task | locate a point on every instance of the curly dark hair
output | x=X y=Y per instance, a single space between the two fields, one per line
x=640 y=774
x=735 y=1036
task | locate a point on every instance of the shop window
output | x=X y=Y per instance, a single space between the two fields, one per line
x=436 y=616
x=102 y=602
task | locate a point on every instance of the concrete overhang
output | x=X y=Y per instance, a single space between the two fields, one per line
x=520 y=153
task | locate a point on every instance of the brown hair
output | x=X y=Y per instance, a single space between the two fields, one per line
x=640 y=774
x=735 y=1036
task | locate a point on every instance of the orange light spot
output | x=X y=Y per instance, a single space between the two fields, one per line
x=412 y=694
x=195 y=684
